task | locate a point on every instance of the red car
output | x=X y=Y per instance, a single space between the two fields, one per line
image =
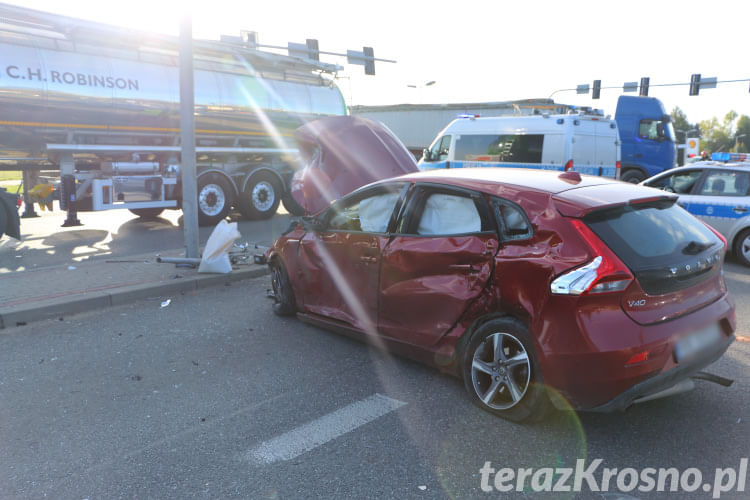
x=534 y=287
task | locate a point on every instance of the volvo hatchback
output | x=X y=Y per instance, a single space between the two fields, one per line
x=537 y=288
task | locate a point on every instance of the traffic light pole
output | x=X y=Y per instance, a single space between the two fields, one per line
x=187 y=139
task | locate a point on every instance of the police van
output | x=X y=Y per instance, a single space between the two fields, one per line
x=717 y=192
x=586 y=142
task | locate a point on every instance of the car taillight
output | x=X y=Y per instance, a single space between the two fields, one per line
x=569 y=165
x=606 y=273
x=717 y=233
x=617 y=169
x=19 y=202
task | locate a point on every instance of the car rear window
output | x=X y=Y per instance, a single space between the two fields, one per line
x=654 y=235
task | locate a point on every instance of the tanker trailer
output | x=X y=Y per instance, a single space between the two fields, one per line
x=101 y=104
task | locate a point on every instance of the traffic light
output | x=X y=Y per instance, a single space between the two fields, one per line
x=596 y=89
x=644 y=86
x=369 y=60
x=313 y=51
x=695 y=83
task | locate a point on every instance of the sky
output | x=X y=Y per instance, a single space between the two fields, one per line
x=481 y=51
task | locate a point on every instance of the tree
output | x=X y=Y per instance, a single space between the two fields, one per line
x=717 y=136
x=742 y=134
x=682 y=126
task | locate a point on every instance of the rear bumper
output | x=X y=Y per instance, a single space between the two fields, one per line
x=664 y=380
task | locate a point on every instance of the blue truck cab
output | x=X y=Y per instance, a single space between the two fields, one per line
x=647 y=138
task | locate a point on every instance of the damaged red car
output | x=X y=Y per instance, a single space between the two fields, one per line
x=539 y=289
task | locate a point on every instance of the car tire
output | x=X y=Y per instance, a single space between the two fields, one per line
x=506 y=382
x=284 y=303
x=215 y=196
x=633 y=176
x=741 y=247
x=291 y=206
x=261 y=197
x=146 y=213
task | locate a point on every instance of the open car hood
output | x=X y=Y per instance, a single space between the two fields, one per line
x=342 y=153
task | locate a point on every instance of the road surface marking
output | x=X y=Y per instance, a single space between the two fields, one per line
x=321 y=430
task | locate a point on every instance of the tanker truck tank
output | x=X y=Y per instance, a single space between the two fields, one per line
x=77 y=94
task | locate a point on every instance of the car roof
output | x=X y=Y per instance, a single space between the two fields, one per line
x=742 y=166
x=574 y=194
x=489 y=179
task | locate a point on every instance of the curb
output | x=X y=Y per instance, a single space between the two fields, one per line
x=52 y=308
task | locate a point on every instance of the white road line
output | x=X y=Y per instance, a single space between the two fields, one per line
x=321 y=430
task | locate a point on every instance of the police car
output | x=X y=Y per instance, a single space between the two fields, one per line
x=718 y=192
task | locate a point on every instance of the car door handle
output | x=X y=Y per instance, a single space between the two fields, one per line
x=739 y=210
x=463 y=267
x=368 y=260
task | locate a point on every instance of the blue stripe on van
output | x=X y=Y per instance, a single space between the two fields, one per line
x=606 y=170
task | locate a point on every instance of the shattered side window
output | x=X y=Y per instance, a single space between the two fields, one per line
x=514 y=224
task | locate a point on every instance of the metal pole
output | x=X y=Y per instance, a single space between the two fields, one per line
x=187 y=138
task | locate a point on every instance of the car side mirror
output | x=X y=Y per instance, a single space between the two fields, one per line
x=426 y=156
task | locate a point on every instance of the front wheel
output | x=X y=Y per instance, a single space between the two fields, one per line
x=284 y=302
x=214 y=199
x=742 y=247
x=501 y=371
x=261 y=197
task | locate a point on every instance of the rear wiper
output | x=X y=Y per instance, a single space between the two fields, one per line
x=695 y=247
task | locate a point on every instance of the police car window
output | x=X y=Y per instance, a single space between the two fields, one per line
x=726 y=183
x=500 y=148
x=680 y=182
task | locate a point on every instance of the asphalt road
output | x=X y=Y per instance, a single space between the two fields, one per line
x=215 y=397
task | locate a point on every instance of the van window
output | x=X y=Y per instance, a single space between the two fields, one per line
x=501 y=148
x=440 y=149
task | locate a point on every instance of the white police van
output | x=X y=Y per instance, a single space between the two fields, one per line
x=585 y=141
x=717 y=192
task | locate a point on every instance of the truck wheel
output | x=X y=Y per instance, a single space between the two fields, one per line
x=633 y=176
x=291 y=206
x=146 y=213
x=742 y=247
x=261 y=197
x=214 y=199
x=502 y=374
